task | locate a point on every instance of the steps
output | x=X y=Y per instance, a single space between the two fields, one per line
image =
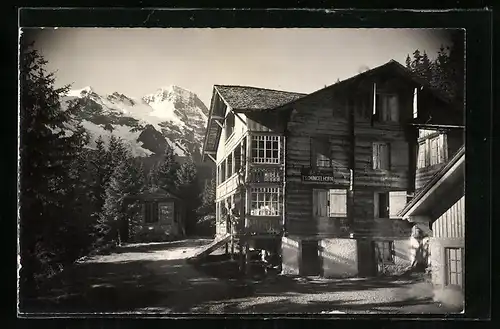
x=208 y=249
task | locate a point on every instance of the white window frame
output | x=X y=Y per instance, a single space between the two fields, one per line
x=376 y=158
x=454 y=266
x=256 y=149
x=265 y=201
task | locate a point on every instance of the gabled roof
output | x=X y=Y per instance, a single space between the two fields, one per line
x=393 y=65
x=427 y=192
x=246 y=98
x=154 y=193
x=242 y=99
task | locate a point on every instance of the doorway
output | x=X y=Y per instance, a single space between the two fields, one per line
x=311 y=260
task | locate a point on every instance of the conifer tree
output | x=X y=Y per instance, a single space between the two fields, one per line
x=127 y=180
x=188 y=189
x=48 y=153
x=208 y=199
x=446 y=72
x=165 y=172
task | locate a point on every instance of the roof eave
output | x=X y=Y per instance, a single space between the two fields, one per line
x=430 y=187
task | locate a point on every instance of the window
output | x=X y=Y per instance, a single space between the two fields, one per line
x=265 y=201
x=237 y=159
x=387 y=108
x=381 y=203
x=422 y=155
x=432 y=151
x=381 y=156
x=229 y=165
x=320 y=153
x=265 y=149
x=223 y=172
x=151 y=212
x=330 y=203
x=389 y=204
x=384 y=251
x=454 y=266
x=229 y=125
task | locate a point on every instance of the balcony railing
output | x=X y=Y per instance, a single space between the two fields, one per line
x=227 y=187
x=265 y=175
x=263 y=225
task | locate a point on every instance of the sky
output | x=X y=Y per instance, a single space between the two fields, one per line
x=138 y=61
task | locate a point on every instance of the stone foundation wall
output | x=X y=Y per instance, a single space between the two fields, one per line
x=290 y=255
x=339 y=257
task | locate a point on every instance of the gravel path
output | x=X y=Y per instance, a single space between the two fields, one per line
x=155 y=278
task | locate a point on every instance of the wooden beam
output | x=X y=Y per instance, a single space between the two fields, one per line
x=219 y=123
x=217 y=117
x=241 y=119
x=211 y=157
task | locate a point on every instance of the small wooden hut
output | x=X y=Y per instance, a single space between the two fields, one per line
x=161 y=217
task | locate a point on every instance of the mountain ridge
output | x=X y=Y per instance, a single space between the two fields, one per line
x=171 y=115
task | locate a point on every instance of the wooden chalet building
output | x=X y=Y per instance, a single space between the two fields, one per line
x=322 y=177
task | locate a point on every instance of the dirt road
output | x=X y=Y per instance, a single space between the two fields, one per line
x=155 y=278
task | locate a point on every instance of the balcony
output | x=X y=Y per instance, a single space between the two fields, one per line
x=265 y=175
x=227 y=187
x=264 y=225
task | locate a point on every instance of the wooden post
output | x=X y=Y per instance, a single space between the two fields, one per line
x=352 y=163
x=247 y=258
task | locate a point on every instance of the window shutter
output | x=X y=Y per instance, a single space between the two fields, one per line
x=375 y=159
x=320 y=203
x=415 y=103
x=338 y=203
x=397 y=201
x=376 y=211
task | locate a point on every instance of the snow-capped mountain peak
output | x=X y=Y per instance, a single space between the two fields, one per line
x=173 y=112
x=81 y=92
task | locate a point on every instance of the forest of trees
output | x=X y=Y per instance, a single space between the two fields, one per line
x=446 y=71
x=72 y=196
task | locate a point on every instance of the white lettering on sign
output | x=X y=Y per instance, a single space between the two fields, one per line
x=311 y=178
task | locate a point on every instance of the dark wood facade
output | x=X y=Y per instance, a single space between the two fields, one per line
x=351 y=148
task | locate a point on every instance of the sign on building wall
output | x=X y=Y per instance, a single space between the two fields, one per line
x=318 y=178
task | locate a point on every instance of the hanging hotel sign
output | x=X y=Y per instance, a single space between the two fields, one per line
x=318 y=178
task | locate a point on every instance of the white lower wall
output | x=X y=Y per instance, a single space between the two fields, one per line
x=339 y=257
